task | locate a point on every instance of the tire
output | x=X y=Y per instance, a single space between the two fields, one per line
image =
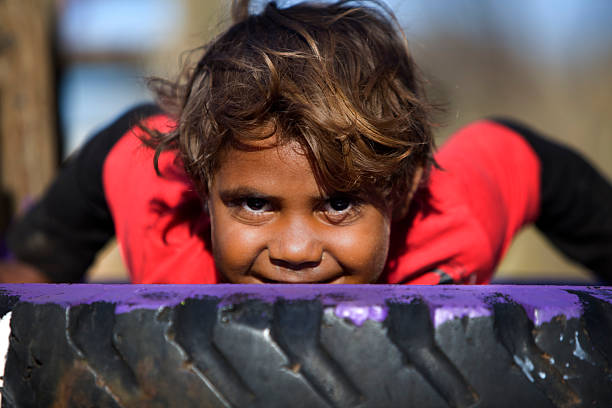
x=307 y=346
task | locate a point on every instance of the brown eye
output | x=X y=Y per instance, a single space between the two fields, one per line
x=340 y=204
x=255 y=204
x=341 y=209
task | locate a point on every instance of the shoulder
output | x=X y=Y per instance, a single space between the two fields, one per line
x=464 y=218
x=159 y=220
x=105 y=139
x=127 y=160
x=129 y=177
x=486 y=141
x=498 y=174
x=496 y=168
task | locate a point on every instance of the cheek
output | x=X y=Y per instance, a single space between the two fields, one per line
x=234 y=245
x=363 y=248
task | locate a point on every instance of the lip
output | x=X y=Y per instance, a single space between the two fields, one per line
x=302 y=277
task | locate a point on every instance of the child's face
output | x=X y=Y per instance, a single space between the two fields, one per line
x=271 y=224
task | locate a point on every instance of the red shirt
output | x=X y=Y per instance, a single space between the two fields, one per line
x=460 y=226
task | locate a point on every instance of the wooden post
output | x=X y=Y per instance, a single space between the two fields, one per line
x=28 y=144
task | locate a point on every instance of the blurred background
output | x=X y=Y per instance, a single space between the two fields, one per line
x=68 y=67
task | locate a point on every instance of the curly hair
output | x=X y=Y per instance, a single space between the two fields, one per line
x=338 y=79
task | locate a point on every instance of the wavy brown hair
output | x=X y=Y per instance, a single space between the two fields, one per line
x=338 y=79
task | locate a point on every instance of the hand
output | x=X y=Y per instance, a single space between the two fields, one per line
x=18 y=272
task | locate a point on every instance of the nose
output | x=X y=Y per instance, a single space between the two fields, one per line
x=295 y=245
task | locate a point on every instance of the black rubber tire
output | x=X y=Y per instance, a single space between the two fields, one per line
x=307 y=346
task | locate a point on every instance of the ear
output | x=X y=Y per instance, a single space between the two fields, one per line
x=401 y=209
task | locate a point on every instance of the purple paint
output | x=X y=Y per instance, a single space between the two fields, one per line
x=359 y=313
x=357 y=303
x=542 y=303
x=445 y=313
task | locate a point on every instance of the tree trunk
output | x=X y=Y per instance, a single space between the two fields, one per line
x=28 y=143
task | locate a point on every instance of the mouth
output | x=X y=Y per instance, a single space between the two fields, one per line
x=297 y=279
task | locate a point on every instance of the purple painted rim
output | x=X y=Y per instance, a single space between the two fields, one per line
x=357 y=303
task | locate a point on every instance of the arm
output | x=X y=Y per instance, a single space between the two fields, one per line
x=59 y=237
x=575 y=203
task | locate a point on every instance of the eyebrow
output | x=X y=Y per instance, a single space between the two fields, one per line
x=231 y=194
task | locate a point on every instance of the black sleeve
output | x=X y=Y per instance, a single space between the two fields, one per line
x=61 y=234
x=575 y=203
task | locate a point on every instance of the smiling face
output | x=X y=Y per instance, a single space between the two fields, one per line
x=272 y=224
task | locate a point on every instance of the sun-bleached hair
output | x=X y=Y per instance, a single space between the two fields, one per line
x=337 y=78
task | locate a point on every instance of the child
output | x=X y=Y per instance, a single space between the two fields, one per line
x=299 y=150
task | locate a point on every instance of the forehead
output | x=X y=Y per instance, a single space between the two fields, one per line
x=268 y=168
